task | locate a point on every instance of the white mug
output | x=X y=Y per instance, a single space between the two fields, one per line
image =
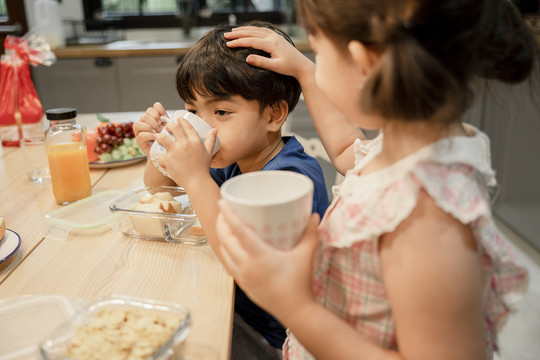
x=201 y=127
x=276 y=204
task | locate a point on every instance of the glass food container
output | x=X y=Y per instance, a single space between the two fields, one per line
x=118 y=322
x=139 y=215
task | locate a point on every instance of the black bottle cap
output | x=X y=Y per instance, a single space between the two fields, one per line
x=61 y=113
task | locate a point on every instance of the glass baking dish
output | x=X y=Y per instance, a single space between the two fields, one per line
x=120 y=326
x=179 y=226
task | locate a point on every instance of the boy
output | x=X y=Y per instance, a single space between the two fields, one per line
x=246 y=107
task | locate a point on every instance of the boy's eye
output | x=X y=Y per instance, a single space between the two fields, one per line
x=222 y=112
x=193 y=111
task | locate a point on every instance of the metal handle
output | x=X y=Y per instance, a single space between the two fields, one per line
x=103 y=62
x=15 y=28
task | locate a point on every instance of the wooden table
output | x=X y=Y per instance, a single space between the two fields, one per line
x=103 y=262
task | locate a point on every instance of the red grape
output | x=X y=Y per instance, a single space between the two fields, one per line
x=119 y=132
x=105 y=148
x=107 y=138
x=111 y=128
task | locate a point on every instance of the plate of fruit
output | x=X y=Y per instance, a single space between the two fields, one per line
x=112 y=144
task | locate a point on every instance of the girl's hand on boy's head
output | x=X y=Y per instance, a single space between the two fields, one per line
x=284 y=57
x=277 y=280
x=148 y=126
x=187 y=158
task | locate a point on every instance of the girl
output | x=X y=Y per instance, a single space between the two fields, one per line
x=407 y=261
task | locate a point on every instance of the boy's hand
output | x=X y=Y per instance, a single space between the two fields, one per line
x=187 y=159
x=284 y=57
x=280 y=281
x=148 y=126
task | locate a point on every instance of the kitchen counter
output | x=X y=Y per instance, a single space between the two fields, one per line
x=127 y=48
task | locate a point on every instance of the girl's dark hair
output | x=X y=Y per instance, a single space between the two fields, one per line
x=211 y=68
x=431 y=50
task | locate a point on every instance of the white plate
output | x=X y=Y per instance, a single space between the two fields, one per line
x=114 y=164
x=9 y=245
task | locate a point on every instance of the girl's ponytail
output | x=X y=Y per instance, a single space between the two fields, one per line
x=410 y=83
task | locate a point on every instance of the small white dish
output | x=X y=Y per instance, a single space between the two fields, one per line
x=9 y=245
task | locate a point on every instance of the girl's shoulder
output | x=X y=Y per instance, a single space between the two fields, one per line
x=455 y=172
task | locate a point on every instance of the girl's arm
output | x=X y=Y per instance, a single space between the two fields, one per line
x=335 y=132
x=433 y=279
x=431 y=274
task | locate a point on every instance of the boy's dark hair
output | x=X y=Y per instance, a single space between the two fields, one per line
x=211 y=68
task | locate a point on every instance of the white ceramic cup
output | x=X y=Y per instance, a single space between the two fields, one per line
x=276 y=204
x=35 y=156
x=201 y=127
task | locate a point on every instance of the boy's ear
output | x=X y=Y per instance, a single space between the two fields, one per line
x=276 y=116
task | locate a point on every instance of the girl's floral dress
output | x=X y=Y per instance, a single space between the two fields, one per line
x=455 y=172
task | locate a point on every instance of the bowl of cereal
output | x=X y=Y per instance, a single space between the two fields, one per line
x=120 y=327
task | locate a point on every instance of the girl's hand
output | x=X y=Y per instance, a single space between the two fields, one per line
x=187 y=158
x=284 y=57
x=148 y=126
x=277 y=280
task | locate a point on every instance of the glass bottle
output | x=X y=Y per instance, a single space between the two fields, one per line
x=66 y=152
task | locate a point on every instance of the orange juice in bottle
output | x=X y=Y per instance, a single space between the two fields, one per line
x=66 y=152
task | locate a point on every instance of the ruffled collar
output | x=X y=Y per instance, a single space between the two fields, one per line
x=472 y=149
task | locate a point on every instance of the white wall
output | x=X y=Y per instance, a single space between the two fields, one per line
x=69 y=10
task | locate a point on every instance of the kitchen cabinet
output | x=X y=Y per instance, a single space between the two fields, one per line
x=145 y=80
x=108 y=84
x=511 y=118
x=89 y=85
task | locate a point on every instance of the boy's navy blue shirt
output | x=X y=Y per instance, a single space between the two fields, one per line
x=292 y=158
